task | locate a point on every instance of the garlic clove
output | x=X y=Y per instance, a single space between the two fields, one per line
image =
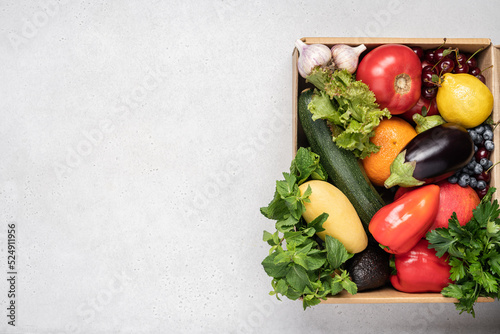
x=347 y=57
x=310 y=56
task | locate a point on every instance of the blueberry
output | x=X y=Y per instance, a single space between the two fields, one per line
x=481 y=185
x=477 y=139
x=464 y=180
x=490 y=163
x=467 y=171
x=479 y=129
x=453 y=179
x=473 y=181
x=489 y=145
x=472 y=164
x=478 y=169
x=473 y=134
x=475 y=148
x=484 y=162
x=488 y=135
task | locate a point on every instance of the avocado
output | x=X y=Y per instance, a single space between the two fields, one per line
x=370 y=268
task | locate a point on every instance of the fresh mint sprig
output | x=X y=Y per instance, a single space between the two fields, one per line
x=300 y=264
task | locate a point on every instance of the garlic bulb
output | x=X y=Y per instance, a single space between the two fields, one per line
x=311 y=56
x=346 y=57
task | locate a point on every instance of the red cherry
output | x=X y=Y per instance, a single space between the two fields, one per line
x=481 y=77
x=486 y=177
x=474 y=71
x=482 y=152
x=481 y=193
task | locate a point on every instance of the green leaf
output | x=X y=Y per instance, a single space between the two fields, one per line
x=276 y=270
x=310 y=301
x=295 y=238
x=453 y=291
x=293 y=294
x=282 y=225
x=317 y=222
x=492 y=228
x=458 y=269
x=305 y=246
x=336 y=252
x=285 y=187
x=440 y=240
x=297 y=277
x=424 y=111
x=268 y=237
x=307 y=165
x=281 y=287
x=494 y=263
x=350 y=286
x=315 y=261
x=336 y=287
x=276 y=209
x=447 y=52
x=301 y=259
x=283 y=257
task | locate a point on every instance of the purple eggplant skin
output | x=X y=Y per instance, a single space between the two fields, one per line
x=439 y=152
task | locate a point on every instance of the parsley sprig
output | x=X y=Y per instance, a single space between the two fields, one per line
x=300 y=264
x=474 y=254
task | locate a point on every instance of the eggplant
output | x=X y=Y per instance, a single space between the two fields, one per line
x=431 y=156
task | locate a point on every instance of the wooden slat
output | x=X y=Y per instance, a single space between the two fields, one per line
x=391 y=296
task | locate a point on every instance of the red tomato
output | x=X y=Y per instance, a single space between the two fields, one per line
x=393 y=72
x=430 y=105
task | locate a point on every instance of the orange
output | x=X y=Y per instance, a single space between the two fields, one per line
x=391 y=135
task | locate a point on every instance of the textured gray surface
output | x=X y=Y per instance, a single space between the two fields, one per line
x=140 y=138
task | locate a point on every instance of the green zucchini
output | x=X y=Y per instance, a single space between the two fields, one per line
x=343 y=168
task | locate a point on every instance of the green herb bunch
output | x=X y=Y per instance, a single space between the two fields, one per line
x=300 y=264
x=473 y=252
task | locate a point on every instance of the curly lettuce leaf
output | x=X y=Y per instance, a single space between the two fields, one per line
x=351 y=108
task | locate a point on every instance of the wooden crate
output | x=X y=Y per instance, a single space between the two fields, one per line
x=489 y=56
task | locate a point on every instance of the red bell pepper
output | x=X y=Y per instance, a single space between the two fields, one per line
x=401 y=224
x=420 y=270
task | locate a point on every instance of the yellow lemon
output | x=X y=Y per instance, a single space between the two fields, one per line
x=464 y=99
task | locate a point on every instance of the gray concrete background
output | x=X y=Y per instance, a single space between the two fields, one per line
x=140 y=138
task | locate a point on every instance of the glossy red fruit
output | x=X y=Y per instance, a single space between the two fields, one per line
x=486 y=177
x=482 y=152
x=429 y=93
x=429 y=105
x=482 y=192
x=474 y=71
x=430 y=56
x=418 y=51
x=454 y=198
x=393 y=72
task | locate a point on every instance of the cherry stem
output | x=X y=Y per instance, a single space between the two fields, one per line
x=444 y=42
x=474 y=54
x=456 y=57
x=486 y=69
x=487 y=171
